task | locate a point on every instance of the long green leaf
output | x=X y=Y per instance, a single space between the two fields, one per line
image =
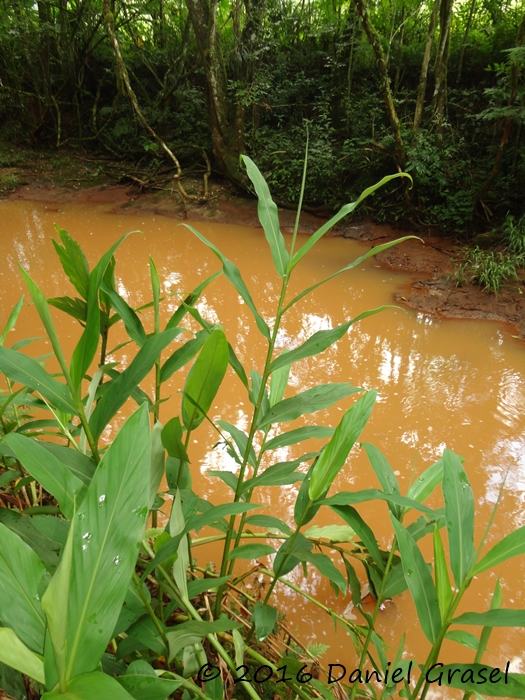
x=121 y=388
x=419 y=582
x=24 y=370
x=87 y=346
x=459 y=516
x=89 y=686
x=22 y=578
x=13 y=317
x=196 y=522
x=42 y=307
x=14 y=653
x=176 y=526
x=191 y=632
x=57 y=615
x=347 y=209
x=327 y=568
x=110 y=524
x=157 y=461
x=510 y=546
x=241 y=440
x=423 y=486
x=279 y=382
x=232 y=273
x=182 y=355
x=346 y=497
x=204 y=379
x=476 y=678
x=73 y=261
x=251 y=551
x=298 y=435
x=364 y=531
x=486 y=632
x=190 y=300
x=79 y=464
x=132 y=322
x=384 y=473
x=335 y=453
x=269 y=218
x=76 y=308
x=147 y=687
x=264 y=619
x=493 y=618
x=309 y=401
x=277 y=475
x=443 y=587
x=49 y=471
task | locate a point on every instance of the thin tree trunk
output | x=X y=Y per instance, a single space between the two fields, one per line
x=350 y=73
x=421 y=88
x=441 y=64
x=399 y=56
x=375 y=42
x=465 y=39
x=226 y=122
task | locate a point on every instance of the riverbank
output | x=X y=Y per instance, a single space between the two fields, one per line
x=431 y=262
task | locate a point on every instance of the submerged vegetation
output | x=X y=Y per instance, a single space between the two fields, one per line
x=96 y=604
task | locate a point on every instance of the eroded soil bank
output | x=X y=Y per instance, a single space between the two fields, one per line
x=431 y=262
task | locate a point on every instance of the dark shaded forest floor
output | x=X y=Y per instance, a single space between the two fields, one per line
x=67 y=176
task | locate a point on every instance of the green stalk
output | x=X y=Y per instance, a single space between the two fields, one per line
x=436 y=647
x=300 y=205
x=186 y=604
x=249 y=442
x=248 y=499
x=151 y=612
x=371 y=624
x=432 y=658
x=285 y=559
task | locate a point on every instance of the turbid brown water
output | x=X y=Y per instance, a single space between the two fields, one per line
x=442 y=383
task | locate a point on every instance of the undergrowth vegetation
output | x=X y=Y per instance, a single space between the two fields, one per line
x=493 y=269
x=96 y=604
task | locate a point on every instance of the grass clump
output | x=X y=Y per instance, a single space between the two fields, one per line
x=492 y=269
x=9 y=183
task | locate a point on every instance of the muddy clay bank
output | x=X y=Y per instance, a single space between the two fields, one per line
x=431 y=261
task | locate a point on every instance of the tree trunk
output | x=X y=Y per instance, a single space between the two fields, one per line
x=375 y=42
x=441 y=65
x=44 y=17
x=465 y=39
x=421 y=88
x=226 y=123
x=350 y=73
x=399 y=56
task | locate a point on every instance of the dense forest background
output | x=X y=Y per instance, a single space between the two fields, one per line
x=432 y=87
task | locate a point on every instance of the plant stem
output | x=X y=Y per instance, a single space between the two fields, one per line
x=371 y=624
x=249 y=442
x=150 y=610
x=277 y=572
x=87 y=430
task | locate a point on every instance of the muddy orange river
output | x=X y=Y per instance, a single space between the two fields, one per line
x=441 y=383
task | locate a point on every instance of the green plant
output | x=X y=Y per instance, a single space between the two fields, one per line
x=487 y=268
x=93 y=605
x=8 y=183
x=514 y=236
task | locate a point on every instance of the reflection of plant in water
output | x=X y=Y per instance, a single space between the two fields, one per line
x=96 y=606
